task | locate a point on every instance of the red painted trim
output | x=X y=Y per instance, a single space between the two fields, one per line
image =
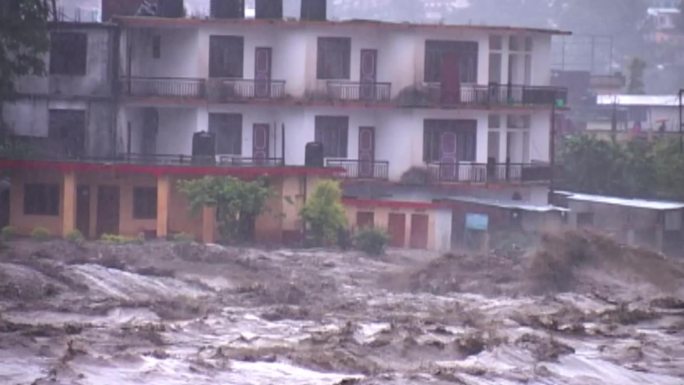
x=245 y=172
x=372 y=203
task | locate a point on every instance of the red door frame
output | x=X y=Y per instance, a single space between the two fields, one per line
x=396 y=227
x=366 y=151
x=368 y=76
x=260 y=142
x=262 y=72
x=419 y=231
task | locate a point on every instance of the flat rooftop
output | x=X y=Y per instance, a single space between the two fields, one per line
x=148 y=21
x=638 y=100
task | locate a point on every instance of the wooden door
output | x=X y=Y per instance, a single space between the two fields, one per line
x=396 y=227
x=365 y=220
x=262 y=72
x=447 y=156
x=148 y=145
x=366 y=151
x=369 y=74
x=260 y=142
x=107 y=210
x=451 y=78
x=419 y=231
x=83 y=210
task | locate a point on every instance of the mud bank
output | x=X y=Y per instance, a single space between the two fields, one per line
x=578 y=309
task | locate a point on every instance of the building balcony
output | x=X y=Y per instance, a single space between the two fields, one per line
x=460 y=172
x=493 y=95
x=158 y=160
x=163 y=87
x=361 y=169
x=228 y=90
x=359 y=91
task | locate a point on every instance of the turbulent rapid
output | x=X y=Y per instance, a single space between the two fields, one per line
x=574 y=309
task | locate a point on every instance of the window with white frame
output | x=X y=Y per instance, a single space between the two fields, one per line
x=495 y=58
x=520 y=59
x=518 y=138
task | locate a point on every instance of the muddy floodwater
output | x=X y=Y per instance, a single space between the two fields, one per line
x=575 y=309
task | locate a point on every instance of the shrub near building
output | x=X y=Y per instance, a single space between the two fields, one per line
x=324 y=214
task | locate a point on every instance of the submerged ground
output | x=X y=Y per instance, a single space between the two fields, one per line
x=576 y=309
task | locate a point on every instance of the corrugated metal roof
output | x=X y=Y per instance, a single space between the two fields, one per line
x=626 y=202
x=507 y=204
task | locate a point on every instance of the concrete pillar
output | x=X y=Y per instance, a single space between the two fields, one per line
x=68 y=203
x=163 y=192
x=208 y=224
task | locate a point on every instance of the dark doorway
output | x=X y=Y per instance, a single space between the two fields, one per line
x=365 y=220
x=368 y=75
x=83 y=210
x=107 y=210
x=260 y=143
x=262 y=72
x=4 y=207
x=269 y=9
x=67 y=133
x=314 y=10
x=227 y=9
x=419 y=231
x=150 y=128
x=366 y=151
x=396 y=227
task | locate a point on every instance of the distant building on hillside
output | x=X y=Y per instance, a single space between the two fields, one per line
x=646 y=116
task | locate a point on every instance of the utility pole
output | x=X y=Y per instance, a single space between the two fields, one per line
x=613 y=121
x=681 y=139
x=552 y=148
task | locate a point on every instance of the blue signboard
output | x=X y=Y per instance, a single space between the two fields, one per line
x=477 y=222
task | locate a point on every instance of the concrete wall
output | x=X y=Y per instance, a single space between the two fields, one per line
x=99 y=68
x=631 y=225
x=30 y=117
x=439 y=239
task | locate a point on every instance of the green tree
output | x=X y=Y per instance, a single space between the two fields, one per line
x=635 y=83
x=237 y=202
x=669 y=169
x=590 y=165
x=637 y=168
x=324 y=214
x=23 y=41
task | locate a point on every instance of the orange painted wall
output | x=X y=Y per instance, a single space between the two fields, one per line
x=281 y=216
x=181 y=219
x=381 y=219
x=24 y=224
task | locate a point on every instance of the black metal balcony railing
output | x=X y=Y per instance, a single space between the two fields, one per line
x=361 y=169
x=223 y=89
x=359 y=91
x=160 y=160
x=232 y=161
x=167 y=87
x=454 y=172
x=498 y=95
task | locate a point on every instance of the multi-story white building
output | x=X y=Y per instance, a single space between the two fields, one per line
x=383 y=98
x=440 y=130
